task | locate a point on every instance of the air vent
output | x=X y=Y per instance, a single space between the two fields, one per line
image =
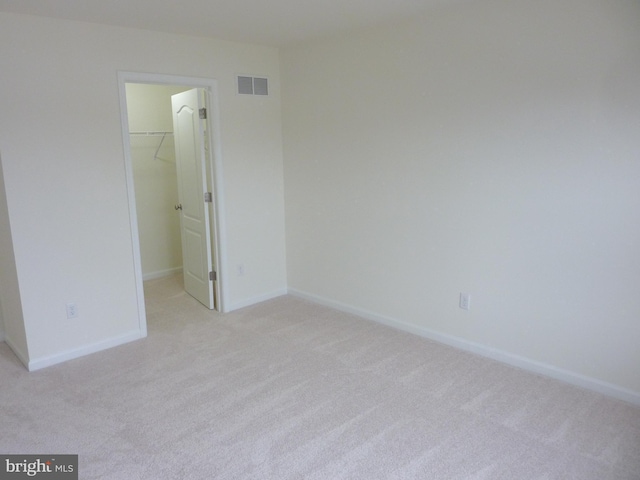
x=252 y=86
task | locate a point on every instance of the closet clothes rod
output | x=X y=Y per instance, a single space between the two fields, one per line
x=151 y=134
x=155 y=134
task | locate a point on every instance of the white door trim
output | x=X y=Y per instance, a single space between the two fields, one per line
x=211 y=86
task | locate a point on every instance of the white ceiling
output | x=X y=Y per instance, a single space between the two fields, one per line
x=267 y=22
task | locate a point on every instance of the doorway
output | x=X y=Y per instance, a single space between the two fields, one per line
x=149 y=147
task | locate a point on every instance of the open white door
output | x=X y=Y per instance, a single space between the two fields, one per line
x=191 y=158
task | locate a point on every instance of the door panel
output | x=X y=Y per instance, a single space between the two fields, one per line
x=188 y=130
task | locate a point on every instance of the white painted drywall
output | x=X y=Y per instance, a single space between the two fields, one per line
x=492 y=148
x=1 y=322
x=154 y=171
x=64 y=170
x=11 y=321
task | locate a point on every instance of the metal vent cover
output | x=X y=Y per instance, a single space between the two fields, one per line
x=252 y=85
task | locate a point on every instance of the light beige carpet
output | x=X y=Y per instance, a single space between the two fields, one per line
x=292 y=390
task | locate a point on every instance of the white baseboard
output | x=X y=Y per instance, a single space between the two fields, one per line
x=48 y=361
x=160 y=273
x=483 y=350
x=257 y=299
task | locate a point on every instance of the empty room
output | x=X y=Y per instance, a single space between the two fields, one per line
x=404 y=242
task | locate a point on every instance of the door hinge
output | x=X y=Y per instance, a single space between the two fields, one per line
x=203 y=113
x=208 y=197
x=213 y=276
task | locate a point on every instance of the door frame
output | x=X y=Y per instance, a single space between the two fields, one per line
x=214 y=162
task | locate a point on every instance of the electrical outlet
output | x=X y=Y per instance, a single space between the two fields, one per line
x=465 y=301
x=72 y=310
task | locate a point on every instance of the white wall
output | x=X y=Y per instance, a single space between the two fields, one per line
x=492 y=148
x=11 y=320
x=156 y=183
x=64 y=171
